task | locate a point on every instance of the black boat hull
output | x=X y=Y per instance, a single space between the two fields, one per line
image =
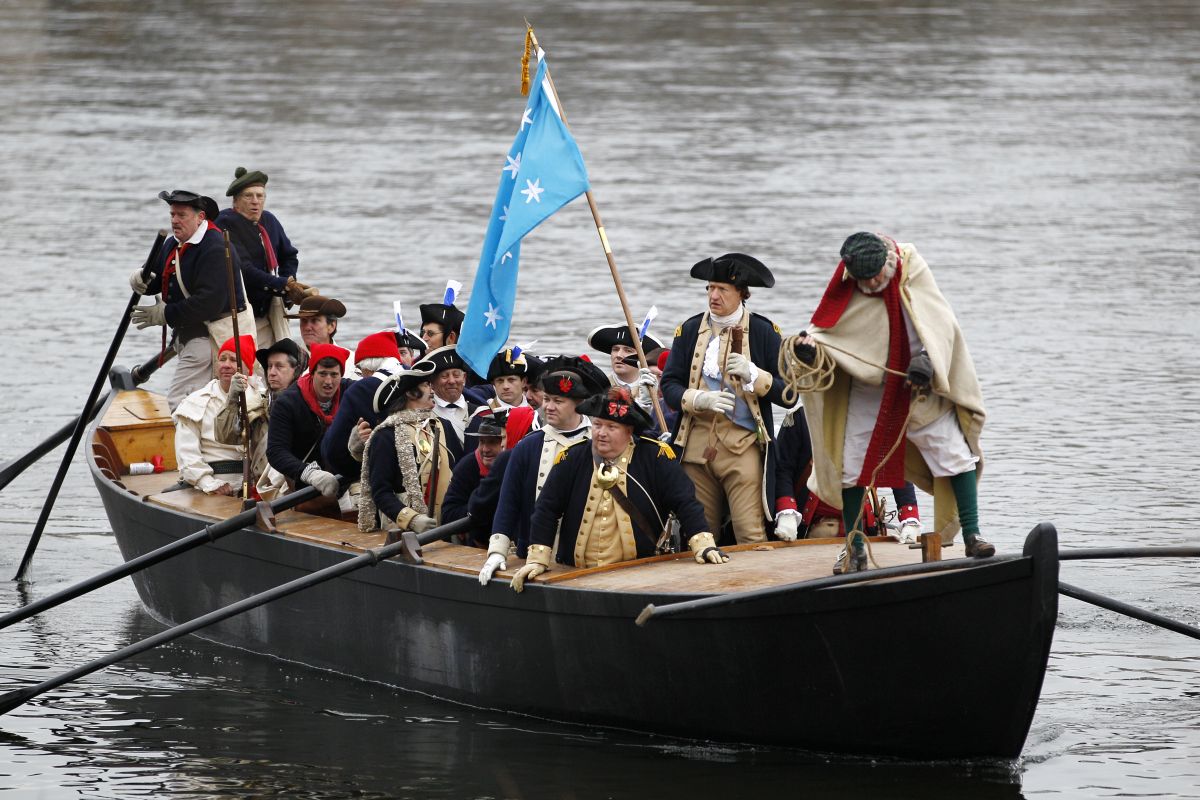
x=947 y=665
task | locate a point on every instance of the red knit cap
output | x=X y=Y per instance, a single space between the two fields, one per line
x=377 y=345
x=246 y=346
x=319 y=351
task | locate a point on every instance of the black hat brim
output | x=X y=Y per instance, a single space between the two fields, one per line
x=606 y=337
x=738 y=269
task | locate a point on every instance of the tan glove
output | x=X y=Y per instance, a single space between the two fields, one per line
x=704 y=548
x=718 y=402
x=237 y=385
x=149 y=316
x=740 y=370
x=136 y=283
x=421 y=523
x=536 y=562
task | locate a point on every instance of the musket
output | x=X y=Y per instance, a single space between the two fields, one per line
x=243 y=414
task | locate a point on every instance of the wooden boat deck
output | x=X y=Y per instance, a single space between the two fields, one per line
x=137 y=425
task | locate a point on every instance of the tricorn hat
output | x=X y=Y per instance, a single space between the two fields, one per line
x=411 y=341
x=444 y=358
x=573 y=376
x=390 y=394
x=606 y=337
x=737 y=268
x=244 y=180
x=448 y=316
x=285 y=346
x=493 y=424
x=509 y=361
x=864 y=255
x=196 y=201
x=317 y=306
x=616 y=405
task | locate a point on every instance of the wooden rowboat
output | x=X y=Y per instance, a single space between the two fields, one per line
x=928 y=665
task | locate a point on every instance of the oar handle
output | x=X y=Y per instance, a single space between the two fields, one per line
x=208 y=534
x=18 y=697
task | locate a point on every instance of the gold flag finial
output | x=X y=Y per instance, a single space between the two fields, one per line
x=525 y=60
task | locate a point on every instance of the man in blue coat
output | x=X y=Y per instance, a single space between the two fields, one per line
x=566 y=381
x=723 y=375
x=268 y=259
x=609 y=501
x=191 y=279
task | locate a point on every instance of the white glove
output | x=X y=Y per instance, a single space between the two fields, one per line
x=646 y=378
x=136 y=283
x=704 y=548
x=740 y=369
x=497 y=558
x=787 y=525
x=910 y=530
x=719 y=402
x=149 y=316
x=325 y=482
x=536 y=562
x=237 y=385
x=421 y=523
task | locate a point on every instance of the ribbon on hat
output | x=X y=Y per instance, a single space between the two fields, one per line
x=452 y=290
x=396 y=310
x=650 y=316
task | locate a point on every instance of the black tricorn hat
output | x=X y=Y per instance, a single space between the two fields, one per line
x=736 y=268
x=390 y=394
x=411 y=341
x=491 y=424
x=606 y=337
x=616 y=405
x=449 y=317
x=285 y=346
x=573 y=376
x=196 y=201
x=505 y=363
x=444 y=358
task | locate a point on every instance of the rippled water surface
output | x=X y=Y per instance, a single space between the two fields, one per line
x=1042 y=155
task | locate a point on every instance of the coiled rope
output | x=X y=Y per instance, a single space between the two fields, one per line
x=802 y=378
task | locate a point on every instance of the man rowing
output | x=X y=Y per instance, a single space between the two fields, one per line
x=191 y=281
x=884 y=329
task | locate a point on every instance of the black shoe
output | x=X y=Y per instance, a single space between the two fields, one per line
x=977 y=547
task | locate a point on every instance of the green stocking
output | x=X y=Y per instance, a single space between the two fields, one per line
x=852 y=500
x=968 y=503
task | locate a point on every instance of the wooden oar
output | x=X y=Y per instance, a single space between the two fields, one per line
x=652 y=611
x=82 y=421
x=18 y=697
x=1109 y=603
x=209 y=534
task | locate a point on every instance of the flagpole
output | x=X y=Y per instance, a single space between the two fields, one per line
x=608 y=254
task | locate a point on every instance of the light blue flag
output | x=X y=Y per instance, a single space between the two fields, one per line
x=542 y=172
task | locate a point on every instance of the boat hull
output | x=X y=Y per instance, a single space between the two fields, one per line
x=947 y=665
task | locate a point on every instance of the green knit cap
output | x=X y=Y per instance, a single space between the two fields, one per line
x=864 y=254
x=244 y=180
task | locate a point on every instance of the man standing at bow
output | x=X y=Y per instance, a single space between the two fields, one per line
x=268 y=259
x=722 y=374
x=193 y=287
x=883 y=305
x=614 y=497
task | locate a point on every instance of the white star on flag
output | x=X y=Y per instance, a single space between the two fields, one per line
x=493 y=314
x=525 y=118
x=504 y=216
x=533 y=191
x=513 y=165
x=506 y=256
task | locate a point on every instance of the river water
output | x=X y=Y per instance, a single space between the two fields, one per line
x=1042 y=155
